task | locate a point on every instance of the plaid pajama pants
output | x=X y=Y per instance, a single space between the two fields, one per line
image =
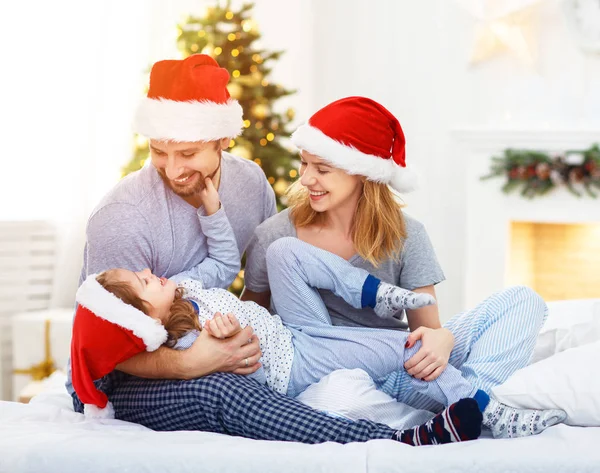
x=228 y=404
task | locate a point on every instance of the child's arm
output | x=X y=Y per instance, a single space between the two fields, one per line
x=223 y=326
x=222 y=264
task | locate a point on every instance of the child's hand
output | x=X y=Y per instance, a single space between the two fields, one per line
x=223 y=326
x=210 y=197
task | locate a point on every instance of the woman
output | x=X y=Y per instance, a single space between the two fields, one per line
x=351 y=151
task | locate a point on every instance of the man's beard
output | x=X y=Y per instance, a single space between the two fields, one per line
x=190 y=189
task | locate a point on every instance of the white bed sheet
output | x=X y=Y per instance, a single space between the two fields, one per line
x=47 y=436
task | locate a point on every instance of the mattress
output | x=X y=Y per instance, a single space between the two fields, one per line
x=48 y=436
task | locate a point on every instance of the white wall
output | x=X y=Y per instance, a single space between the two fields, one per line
x=412 y=56
x=76 y=70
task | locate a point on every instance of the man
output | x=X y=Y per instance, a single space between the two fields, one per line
x=151 y=219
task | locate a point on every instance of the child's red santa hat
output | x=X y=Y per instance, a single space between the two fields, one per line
x=106 y=332
x=188 y=101
x=361 y=137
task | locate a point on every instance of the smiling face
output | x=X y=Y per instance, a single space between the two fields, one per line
x=157 y=293
x=329 y=188
x=184 y=166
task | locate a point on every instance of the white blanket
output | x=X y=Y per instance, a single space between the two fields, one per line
x=48 y=437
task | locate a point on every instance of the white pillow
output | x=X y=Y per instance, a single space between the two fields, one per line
x=570 y=324
x=569 y=380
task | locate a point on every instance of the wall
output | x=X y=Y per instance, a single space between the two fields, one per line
x=412 y=56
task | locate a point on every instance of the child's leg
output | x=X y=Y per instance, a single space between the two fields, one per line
x=320 y=350
x=296 y=270
x=492 y=341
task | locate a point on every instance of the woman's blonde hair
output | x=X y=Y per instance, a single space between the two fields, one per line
x=378 y=229
x=182 y=316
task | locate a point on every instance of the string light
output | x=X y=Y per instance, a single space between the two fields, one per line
x=246 y=123
x=253 y=68
x=235 y=52
x=231 y=37
x=264 y=82
x=258 y=161
x=201 y=34
x=263 y=142
x=235 y=73
x=247 y=25
x=258 y=125
x=293 y=173
x=218 y=50
x=231 y=143
x=256 y=58
x=270 y=136
x=194 y=48
x=141 y=141
x=271 y=180
x=229 y=15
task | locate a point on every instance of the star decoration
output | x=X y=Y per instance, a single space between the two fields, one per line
x=502 y=25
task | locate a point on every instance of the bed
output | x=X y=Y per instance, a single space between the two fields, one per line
x=46 y=435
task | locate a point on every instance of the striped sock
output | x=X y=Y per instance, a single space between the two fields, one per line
x=459 y=422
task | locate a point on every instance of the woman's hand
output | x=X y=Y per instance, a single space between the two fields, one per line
x=210 y=197
x=223 y=326
x=432 y=358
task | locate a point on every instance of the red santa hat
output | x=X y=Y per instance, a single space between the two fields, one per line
x=188 y=101
x=106 y=332
x=361 y=137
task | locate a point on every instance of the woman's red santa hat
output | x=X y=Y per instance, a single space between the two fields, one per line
x=106 y=332
x=361 y=137
x=188 y=101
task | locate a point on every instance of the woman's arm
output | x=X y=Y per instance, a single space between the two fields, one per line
x=428 y=316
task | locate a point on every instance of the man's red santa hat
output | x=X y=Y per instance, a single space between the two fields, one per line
x=361 y=137
x=106 y=332
x=188 y=101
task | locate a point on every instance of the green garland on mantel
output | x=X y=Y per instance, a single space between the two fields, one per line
x=537 y=173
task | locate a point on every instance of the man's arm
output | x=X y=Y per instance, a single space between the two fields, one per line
x=118 y=236
x=206 y=355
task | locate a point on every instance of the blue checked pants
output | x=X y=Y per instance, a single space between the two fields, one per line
x=228 y=404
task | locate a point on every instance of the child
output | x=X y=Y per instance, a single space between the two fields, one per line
x=307 y=347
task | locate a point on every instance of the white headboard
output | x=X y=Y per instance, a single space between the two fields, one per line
x=27 y=264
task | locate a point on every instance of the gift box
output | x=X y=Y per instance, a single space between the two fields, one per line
x=37 y=344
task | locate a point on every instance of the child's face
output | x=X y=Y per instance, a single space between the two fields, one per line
x=157 y=292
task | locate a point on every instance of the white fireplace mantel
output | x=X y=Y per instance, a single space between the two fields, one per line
x=489 y=211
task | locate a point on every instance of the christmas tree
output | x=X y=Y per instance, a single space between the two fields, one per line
x=230 y=37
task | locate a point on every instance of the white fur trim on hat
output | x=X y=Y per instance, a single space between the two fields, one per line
x=353 y=161
x=109 y=307
x=170 y=120
x=94 y=412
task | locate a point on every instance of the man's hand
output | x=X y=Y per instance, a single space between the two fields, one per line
x=238 y=354
x=432 y=358
x=223 y=326
x=210 y=197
